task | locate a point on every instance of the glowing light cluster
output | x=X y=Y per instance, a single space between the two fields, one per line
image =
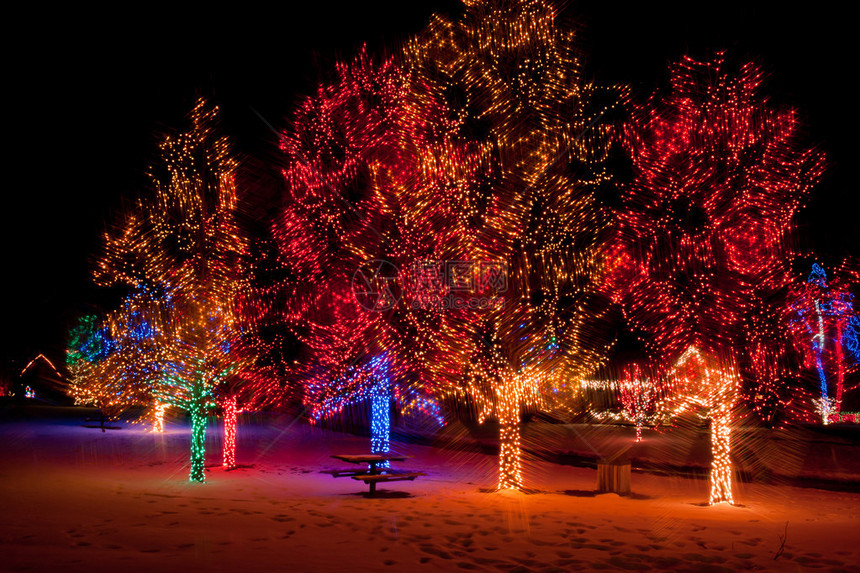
x=638 y=394
x=604 y=385
x=824 y=324
x=124 y=370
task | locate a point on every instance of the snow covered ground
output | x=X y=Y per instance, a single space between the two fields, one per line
x=79 y=499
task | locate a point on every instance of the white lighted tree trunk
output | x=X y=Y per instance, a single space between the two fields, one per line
x=721 y=466
x=709 y=386
x=158 y=418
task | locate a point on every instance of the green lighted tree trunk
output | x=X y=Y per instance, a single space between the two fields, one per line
x=198 y=444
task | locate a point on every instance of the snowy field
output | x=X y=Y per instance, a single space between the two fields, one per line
x=78 y=499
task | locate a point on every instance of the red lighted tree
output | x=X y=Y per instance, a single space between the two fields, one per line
x=717 y=174
x=824 y=326
x=357 y=178
x=267 y=349
x=638 y=392
x=768 y=365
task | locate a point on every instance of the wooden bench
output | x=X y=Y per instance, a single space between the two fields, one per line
x=361 y=472
x=345 y=472
x=373 y=479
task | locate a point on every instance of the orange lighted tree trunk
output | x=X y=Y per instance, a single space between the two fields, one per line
x=508 y=413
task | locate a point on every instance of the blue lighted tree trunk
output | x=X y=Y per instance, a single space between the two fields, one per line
x=380 y=410
x=380 y=425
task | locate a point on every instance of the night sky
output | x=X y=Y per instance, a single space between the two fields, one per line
x=88 y=92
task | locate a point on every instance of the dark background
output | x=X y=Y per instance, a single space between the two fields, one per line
x=88 y=91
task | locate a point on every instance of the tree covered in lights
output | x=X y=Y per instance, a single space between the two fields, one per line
x=717 y=175
x=179 y=254
x=266 y=376
x=115 y=360
x=521 y=315
x=638 y=390
x=825 y=327
x=88 y=344
x=354 y=171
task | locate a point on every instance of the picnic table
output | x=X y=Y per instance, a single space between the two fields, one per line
x=373 y=473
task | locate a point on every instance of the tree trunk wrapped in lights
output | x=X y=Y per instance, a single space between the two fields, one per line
x=180 y=254
x=198 y=444
x=720 y=477
x=520 y=314
x=510 y=468
x=511 y=393
x=158 y=418
x=228 y=407
x=708 y=388
x=717 y=175
x=380 y=419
